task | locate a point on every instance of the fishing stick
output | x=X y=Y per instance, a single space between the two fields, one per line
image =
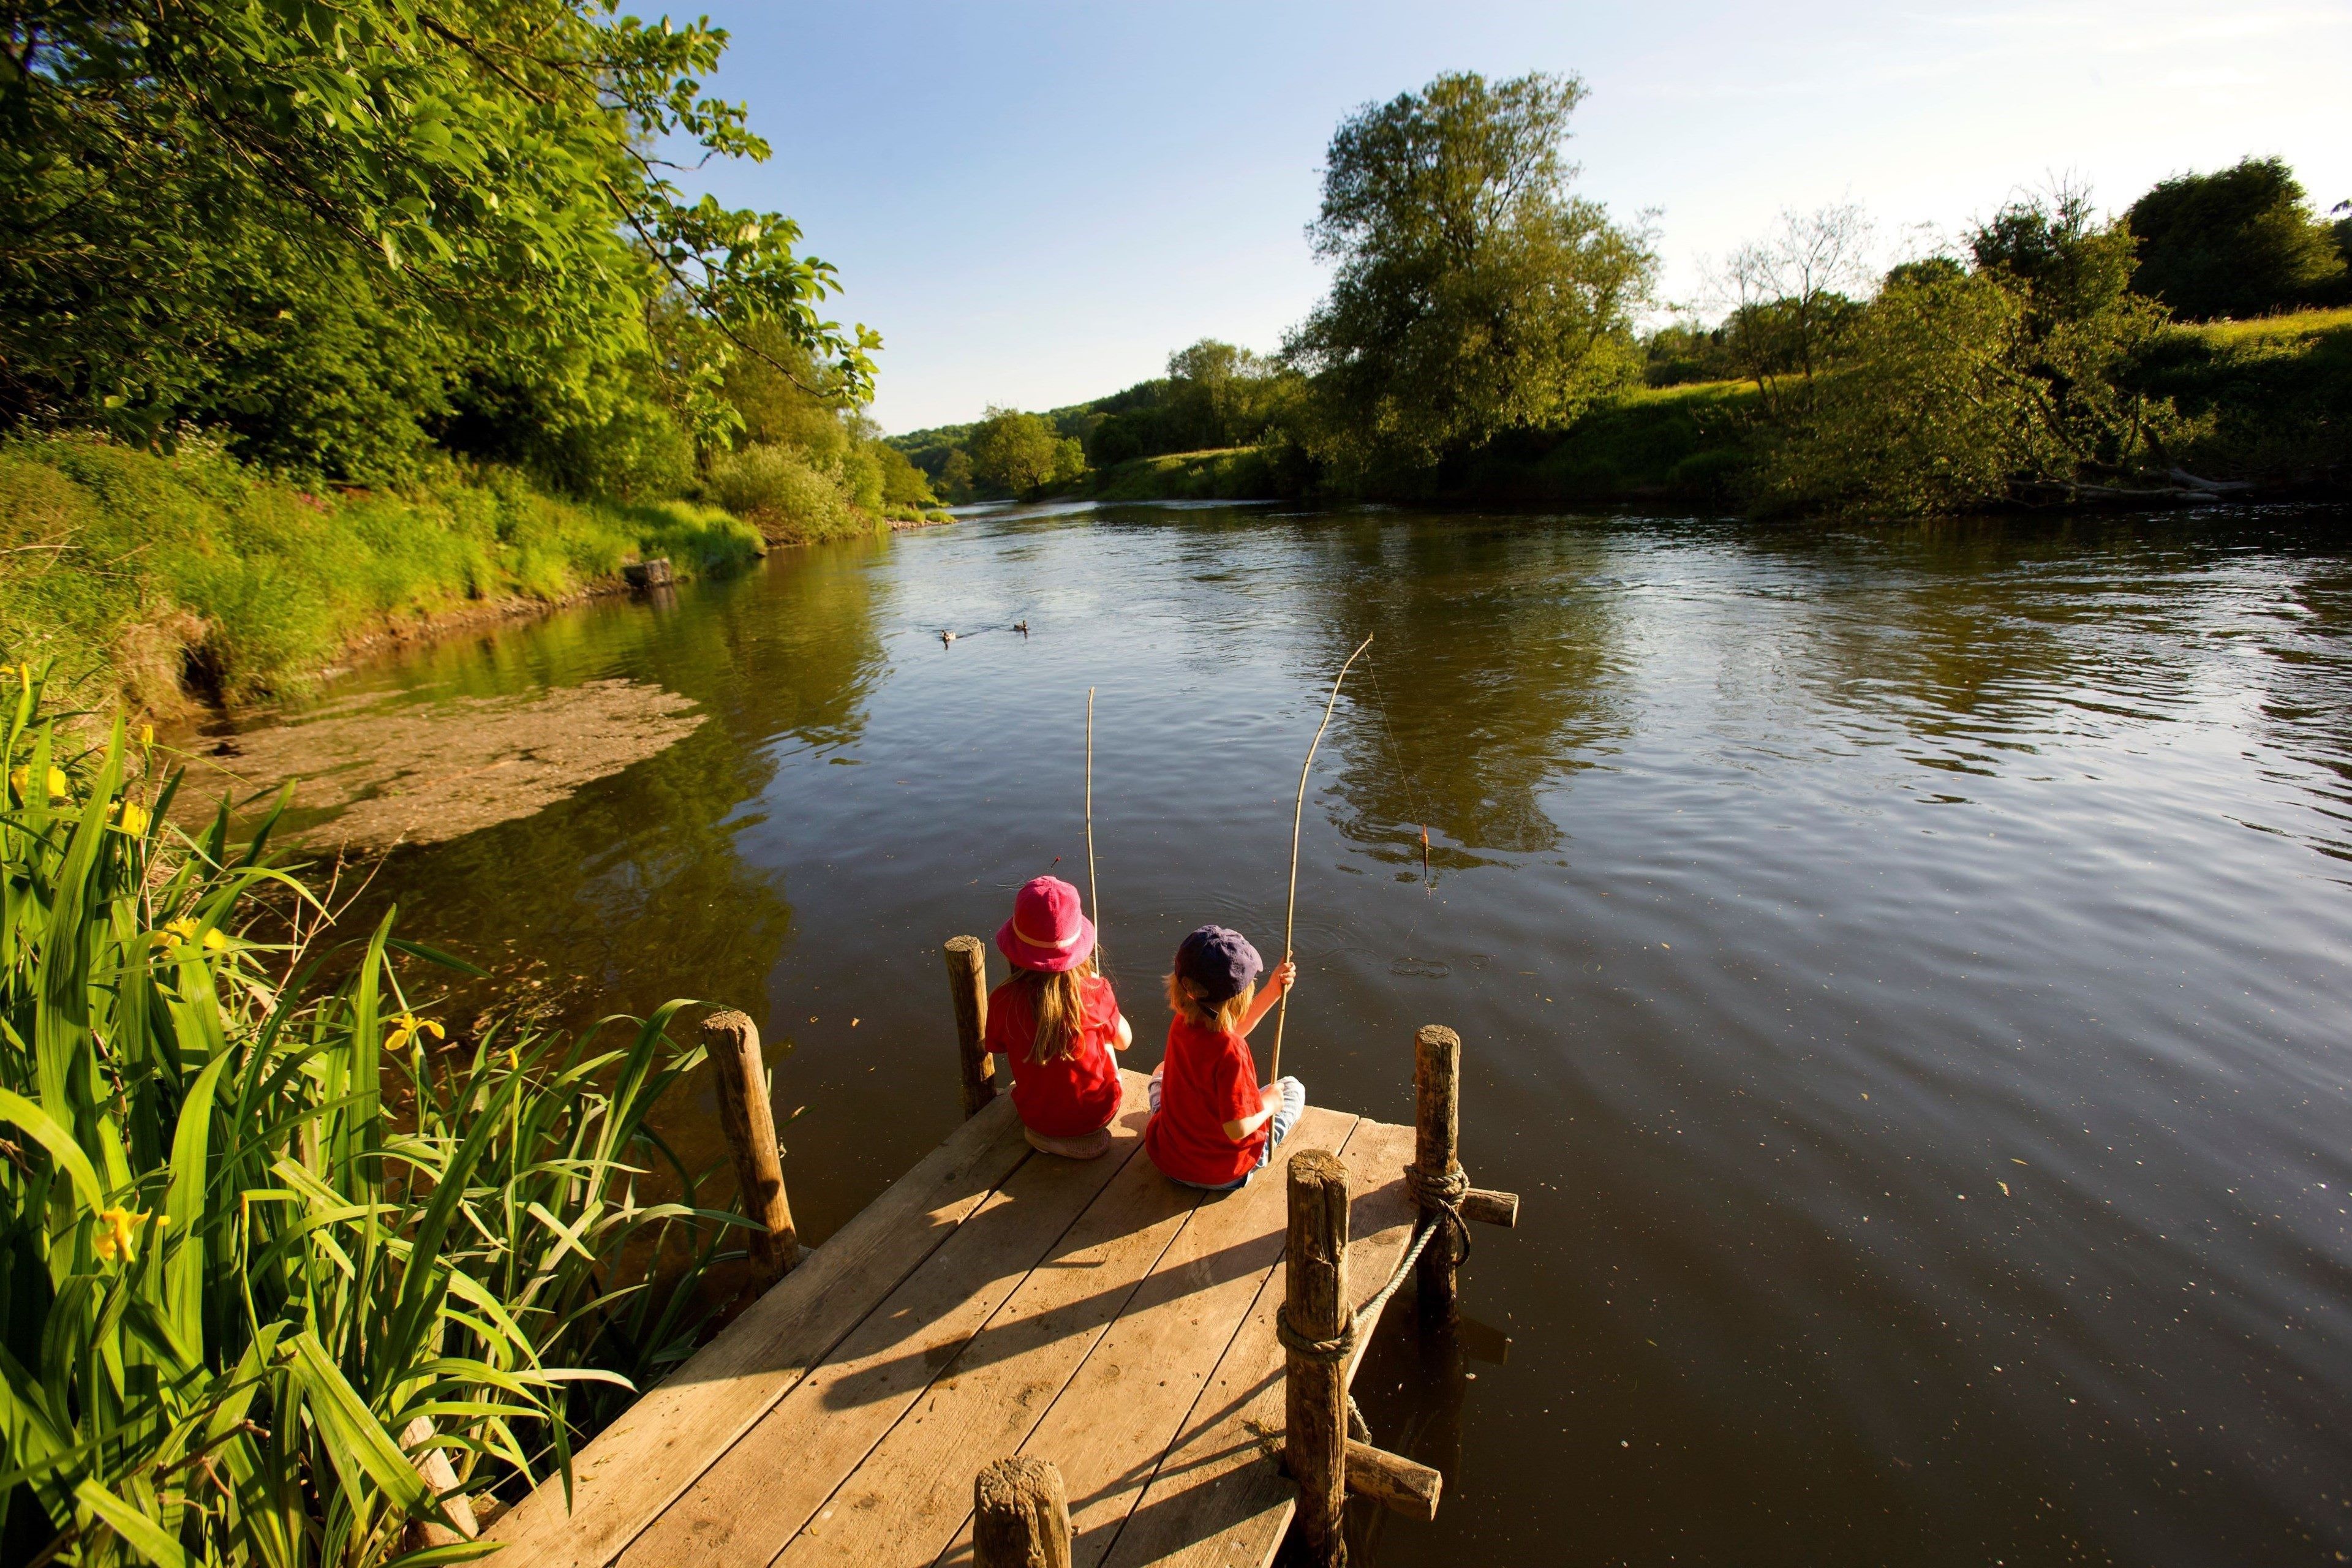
x=1093 y=897
x=1297 y=816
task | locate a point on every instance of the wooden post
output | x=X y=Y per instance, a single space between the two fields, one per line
x=750 y=1122
x=1020 y=1516
x=968 y=989
x=1315 y=1389
x=1438 y=1128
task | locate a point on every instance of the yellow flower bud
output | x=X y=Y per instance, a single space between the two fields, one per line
x=118 y=1234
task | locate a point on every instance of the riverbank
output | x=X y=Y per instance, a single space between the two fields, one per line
x=2267 y=404
x=158 y=582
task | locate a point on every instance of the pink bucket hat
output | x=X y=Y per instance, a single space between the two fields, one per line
x=1049 y=929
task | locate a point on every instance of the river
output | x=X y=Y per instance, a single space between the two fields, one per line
x=1903 y=970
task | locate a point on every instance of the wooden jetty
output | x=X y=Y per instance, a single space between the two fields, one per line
x=1010 y=1358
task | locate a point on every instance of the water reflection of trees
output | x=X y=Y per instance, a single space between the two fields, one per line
x=632 y=891
x=1980 y=636
x=1491 y=674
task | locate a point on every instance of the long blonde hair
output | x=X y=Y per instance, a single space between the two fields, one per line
x=1059 y=1002
x=1189 y=1002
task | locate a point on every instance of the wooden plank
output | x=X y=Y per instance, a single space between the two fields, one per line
x=914 y=1491
x=1220 y=1499
x=777 y=1478
x=641 y=1463
x=1115 y=1419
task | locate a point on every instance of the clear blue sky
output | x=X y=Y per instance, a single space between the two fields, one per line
x=1035 y=203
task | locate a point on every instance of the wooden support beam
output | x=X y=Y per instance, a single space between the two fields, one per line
x=1021 y=1516
x=1393 y=1480
x=1438 y=1128
x=1314 y=1387
x=433 y=1465
x=1490 y=1208
x=968 y=989
x=749 y=1120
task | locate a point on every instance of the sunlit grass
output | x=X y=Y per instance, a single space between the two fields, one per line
x=134 y=570
x=2294 y=326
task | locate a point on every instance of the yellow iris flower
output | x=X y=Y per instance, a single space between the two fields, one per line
x=118 y=1233
x=184 y=931
x=132 y=817
x=22 y=778
x=406 y=1027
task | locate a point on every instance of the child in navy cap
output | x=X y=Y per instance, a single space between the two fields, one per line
x=1213 y=1125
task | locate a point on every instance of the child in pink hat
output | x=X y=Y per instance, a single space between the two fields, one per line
x=1057 y=1023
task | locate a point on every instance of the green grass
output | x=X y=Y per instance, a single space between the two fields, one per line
x=2301 y=327
x=1682 y=443
x=1228 y=473
x=141 y=574
x=2271 y=398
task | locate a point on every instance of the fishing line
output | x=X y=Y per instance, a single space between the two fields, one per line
x=1093 y=897
x=1297 y=816
x=1420 y=810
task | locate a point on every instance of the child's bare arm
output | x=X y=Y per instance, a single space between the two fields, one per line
x=1269 y=1100
x=1124 y=1037
x=1284 y=976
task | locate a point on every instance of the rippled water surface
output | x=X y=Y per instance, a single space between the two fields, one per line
x=1903 y=971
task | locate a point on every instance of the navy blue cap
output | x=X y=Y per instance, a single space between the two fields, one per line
x=1220 y=962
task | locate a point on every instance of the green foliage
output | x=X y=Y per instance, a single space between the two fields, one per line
x=1017 y=454
x=1240 y=473
x=328 y=231
x=1473 y=293
x=790 y=404
x=1959 y=388
x=135 y=570
x=1214 y=395
x=1688 y=442
x=2242 y=242
x=955 y=480
x=789 y=499
x=254 y=1227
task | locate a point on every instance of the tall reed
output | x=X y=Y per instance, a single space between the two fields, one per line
x=255 y=1224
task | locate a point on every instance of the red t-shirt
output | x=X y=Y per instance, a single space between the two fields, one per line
x=1070 y=1096
x=1206 y=1080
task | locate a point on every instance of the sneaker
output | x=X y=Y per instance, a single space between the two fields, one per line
x=1092 y=1146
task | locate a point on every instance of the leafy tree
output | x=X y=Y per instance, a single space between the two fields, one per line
x=955 y=482
x=2242 y=242
x=1960 y=386
x=904 y=486
x=1473 y=293
x=1791 y=299
x=1016 y=452
x=335 y=229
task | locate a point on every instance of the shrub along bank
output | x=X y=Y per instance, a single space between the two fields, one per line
x=152 y=578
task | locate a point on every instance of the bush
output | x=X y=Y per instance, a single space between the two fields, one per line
x=790 y=501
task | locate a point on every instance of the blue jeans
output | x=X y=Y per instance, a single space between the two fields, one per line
x=1286 y=1117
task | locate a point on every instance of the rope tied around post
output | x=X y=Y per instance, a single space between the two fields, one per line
x=1442 y=1196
